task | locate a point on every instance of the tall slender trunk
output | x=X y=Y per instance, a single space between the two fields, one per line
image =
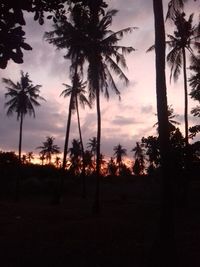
x=18 y=175
x=166 y=233
x=187 y=147
x=61 y=181
x=67 y=132
x=97 y=194
x=20 y=136
x=82 y=150
x=186 y=97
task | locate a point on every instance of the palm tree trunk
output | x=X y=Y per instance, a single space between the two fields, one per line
x=17 y=189
x=67 y=133
x=166 y=233
x=82 y=150
x=186 y=97
x=187 y=151
x=20 y=136
x=97 y=194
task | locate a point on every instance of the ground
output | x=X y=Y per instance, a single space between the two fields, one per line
x=33 y=232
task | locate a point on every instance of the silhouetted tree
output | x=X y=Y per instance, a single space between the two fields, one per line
x=194 y=82
x=49 y=148
x=166 y=233
x=30 y=156
x=185 y=37
x=138 y=167
x=112 y=167
x=57 y=162
x=12 y=36
x=77 y=93
x=23 y=97
x=92 y=144
x=119 y=153
x=75 y=155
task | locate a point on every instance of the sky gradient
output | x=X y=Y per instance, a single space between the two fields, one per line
x=125 y=121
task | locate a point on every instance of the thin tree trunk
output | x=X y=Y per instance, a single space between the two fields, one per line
x=166 y=246
x=97 y=194
x=186 y=97
x=67 y=133
x=187 y=151
x=20 y=136
x=82 y=151
x=17 y=189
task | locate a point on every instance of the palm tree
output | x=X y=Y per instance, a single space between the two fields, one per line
x=24 y=159
x=88 y=162
x=119 y=152
x=92 y=145
x=75 y=154
x=139 y=157
x=30 y=156
x=112 y=167
x=77 y=92
x=194 y=82
x=89 y=39
x=184 y=38
x=104 y=55
x=68 y=34
x=42 y=157
x=48 y=148
x=165 y=246
x=171 y=118
x=23 y=96
x=57 y=162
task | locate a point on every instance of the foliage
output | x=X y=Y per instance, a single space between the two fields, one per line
x=23 y=97
x=49 y=148
x=12 y=36
x=194 y=81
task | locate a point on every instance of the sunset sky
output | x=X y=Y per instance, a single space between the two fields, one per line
x=125 y=121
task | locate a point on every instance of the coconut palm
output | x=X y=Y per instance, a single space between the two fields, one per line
x=49 y=148
x=89 y=164
x=42 y=157
x=139 y=158
x=91 y=40
x=194 y=82
x=119 y=153
x=77 y=91
x=30 y=156
x=171 y=118
x=92 y=145
x=68 y=34
x=57 y=162
x=166 y=220
x=104 y=56
x=186 y=36
x=75 y=155
x=23 y=97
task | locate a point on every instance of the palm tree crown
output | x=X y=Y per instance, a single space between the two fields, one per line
x=119 y=152
x=23 y=96
x=78 y=87
x=184 y=37
x=49 y=148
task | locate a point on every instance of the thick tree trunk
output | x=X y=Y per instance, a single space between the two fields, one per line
x=165 y=246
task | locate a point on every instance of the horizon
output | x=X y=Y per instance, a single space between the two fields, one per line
x=124 y=122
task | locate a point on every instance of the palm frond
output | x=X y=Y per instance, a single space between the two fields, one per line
x=116 y=69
